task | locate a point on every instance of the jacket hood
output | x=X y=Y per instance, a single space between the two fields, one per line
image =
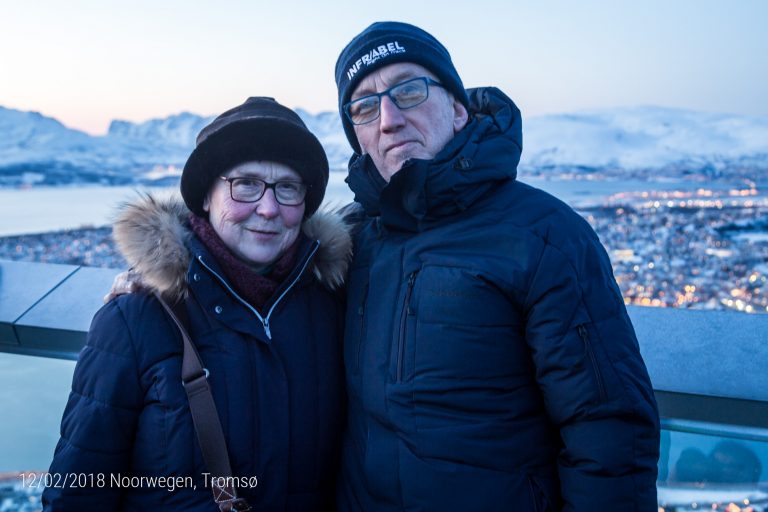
x=153 y=235
x=481 y=156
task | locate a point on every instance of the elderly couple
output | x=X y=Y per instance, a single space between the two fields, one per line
x=475 y=355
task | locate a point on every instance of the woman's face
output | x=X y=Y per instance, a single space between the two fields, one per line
x=257 y=233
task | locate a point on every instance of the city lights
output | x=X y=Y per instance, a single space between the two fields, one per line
x=680 y=249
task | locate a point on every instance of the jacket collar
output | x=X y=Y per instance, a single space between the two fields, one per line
x=481 y=156
x=155 y=239
x=230 y=314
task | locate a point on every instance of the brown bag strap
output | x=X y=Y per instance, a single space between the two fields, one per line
x=204 y=416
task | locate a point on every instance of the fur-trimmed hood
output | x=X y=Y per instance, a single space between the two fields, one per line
x=152 y=234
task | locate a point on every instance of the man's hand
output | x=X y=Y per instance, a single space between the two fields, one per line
x=125 y=282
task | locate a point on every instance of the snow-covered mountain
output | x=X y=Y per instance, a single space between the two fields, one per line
x=625 y=141
x=35 y=149
x=327 y=127
x=645 y=138
x=39 y=149
x=177 y=129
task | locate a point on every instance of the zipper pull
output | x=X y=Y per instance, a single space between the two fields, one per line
x=411 y=282
x=265 y=323
x=361 y=308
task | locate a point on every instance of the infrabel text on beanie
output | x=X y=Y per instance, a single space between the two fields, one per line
x=380 y=52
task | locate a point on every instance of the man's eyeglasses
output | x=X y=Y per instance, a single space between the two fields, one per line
x=405 y=95
x=245 y=189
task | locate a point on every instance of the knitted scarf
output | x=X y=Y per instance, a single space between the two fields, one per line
x=254 y=287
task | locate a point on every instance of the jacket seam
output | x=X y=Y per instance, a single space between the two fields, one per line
x=132 y=340
x=107 y=404
x=89 y=449
x=101 y=349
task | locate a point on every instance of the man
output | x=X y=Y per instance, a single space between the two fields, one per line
x=490 y=361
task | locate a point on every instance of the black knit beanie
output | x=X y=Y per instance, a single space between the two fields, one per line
x=385 y=43
x=259 y=129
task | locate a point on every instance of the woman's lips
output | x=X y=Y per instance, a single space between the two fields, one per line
x=262 y=233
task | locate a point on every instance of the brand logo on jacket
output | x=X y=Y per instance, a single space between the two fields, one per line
x=380 y=52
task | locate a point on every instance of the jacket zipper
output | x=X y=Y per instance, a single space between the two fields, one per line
x=264 y=319
x=403 y=321
x=361 y=314
x=595 y=368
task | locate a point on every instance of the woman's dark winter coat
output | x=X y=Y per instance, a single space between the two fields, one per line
x=490 y=361
x=279 y=395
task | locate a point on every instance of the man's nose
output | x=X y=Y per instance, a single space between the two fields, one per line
x=391 y=117
x=267 y=206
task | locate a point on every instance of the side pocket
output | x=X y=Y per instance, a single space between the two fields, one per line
x=590 y=354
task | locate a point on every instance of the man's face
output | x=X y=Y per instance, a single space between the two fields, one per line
x=418 y=132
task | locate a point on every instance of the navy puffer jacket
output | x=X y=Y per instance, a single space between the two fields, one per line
x=277 y=384
x=491 y=364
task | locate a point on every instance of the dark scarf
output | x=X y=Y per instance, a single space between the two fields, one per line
x=254 y=287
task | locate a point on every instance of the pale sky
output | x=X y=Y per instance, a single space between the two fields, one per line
x=86 y=62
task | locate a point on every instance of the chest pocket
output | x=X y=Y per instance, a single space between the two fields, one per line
x=466 y=328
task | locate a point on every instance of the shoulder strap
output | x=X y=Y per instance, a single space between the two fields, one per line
x=204 y=415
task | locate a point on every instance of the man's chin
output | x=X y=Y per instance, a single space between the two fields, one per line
x=394 y=165
x=394 y=162
x=390 y=170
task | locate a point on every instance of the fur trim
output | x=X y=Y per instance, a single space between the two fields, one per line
x=332 y=259
x=152 y=234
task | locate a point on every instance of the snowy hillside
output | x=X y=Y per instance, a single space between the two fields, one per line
x=176 y=130
x=644 y=138
x=626 y=141
x=327 y=127
x=39 y=149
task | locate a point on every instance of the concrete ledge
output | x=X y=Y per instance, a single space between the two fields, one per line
x=711 y=353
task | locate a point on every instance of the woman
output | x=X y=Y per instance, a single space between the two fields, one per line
x=254 y=268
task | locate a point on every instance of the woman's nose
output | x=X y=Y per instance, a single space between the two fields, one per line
x=268 y=206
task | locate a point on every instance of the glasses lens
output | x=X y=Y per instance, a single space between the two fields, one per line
x=409 y=94
x=405 y=95
x=290 y=193
x=247 y=190
x=364 y=110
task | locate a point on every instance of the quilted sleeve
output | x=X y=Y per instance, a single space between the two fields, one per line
x=99 y=421
x=595 y=385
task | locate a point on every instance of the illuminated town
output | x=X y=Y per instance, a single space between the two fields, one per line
x=701 y=250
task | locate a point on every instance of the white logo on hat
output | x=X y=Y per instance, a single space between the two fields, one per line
x=380 y=52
